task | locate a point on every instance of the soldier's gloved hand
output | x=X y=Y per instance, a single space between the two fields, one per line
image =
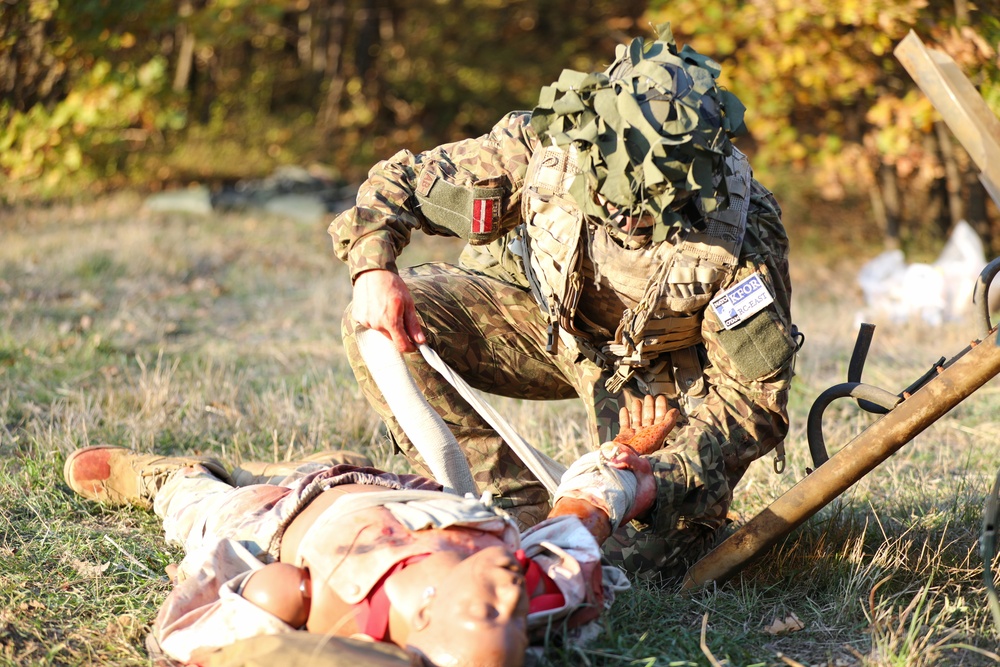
x=646 y=423
x=383 y=302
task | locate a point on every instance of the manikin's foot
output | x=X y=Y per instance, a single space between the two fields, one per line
x=119 y=476
x=259 y=472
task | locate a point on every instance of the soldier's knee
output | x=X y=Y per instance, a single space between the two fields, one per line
x=348 y=332
x=651 y=555
x=528 y=506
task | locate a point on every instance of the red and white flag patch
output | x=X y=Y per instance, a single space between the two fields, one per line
x=482 y=216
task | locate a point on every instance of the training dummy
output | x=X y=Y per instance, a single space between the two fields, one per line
x=344 y=550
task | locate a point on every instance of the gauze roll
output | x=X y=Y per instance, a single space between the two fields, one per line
x=591 y=478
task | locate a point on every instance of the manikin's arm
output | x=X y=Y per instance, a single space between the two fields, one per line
x=643 y=431
x=283 y=590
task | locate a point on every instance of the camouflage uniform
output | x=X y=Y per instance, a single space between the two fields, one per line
x=483 y=319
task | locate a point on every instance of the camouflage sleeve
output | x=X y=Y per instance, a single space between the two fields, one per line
x=744 y=413
x=469 y=188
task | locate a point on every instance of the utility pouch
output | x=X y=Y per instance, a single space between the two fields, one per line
x=759 y=347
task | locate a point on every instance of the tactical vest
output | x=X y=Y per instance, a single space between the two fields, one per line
x=684 y=273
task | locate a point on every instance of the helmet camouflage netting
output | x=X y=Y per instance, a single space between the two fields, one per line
x=651 y=131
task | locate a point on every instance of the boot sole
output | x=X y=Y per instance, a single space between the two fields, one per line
x=89 y=494
x=214 y=467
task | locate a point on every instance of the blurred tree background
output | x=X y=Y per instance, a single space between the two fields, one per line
x=104 y=94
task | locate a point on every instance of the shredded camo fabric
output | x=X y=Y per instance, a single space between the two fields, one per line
x=677 y=121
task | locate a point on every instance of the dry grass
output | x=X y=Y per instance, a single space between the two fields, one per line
x=221 y=335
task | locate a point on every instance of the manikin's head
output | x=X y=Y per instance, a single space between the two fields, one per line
x=473 y=612
x=650 y=133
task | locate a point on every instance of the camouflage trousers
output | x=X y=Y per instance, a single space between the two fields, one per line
x=197 y=507
x=494 y=335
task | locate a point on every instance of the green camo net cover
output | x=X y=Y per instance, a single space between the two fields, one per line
x=651 y=131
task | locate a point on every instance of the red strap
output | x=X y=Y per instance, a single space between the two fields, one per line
x=549 y=596
x=372 y=613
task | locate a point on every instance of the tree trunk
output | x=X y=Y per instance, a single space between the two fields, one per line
x=952 y=175
x=368 y=38
x=185 y=51
x=961 y=12
x=976 y=214
x=926 y=201
x=329 y=113
x=885 y=204
x=304 y=43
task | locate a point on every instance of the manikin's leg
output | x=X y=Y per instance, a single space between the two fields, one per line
x=196 y=507
x=193 y=495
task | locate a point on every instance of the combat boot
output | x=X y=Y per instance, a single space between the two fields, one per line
x=119 y=476
x=259 y=472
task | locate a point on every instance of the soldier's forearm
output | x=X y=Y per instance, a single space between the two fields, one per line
x=371 y=234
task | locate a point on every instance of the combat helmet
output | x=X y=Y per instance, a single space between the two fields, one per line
x=651 y=132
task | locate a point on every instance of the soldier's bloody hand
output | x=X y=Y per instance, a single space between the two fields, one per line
x=645 y=424
x=383 y=302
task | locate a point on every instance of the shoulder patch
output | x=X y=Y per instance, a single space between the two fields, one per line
x=486 y=198
x=744 y=299
x=483 y=212
x=466 y=211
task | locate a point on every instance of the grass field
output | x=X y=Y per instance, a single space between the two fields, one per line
x=221 y=335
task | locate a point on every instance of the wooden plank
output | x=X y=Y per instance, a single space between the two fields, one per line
x=960 y=105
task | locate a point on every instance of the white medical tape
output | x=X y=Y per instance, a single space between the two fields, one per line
x=543 y=467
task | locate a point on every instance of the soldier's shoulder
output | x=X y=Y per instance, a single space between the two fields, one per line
x=516 y=126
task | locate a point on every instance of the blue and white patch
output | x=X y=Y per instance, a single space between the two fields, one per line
x=744 y=299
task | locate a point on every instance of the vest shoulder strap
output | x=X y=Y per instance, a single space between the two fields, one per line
x=722 y=238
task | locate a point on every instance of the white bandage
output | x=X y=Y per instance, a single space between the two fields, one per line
x=590 y=478
x=425 y=428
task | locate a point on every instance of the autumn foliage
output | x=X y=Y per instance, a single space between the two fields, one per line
x=100 y=93
x=826 y=94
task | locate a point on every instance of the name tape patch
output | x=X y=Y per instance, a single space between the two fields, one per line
x=747 y=297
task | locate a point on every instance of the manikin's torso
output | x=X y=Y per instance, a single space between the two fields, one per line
x=354 y=551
